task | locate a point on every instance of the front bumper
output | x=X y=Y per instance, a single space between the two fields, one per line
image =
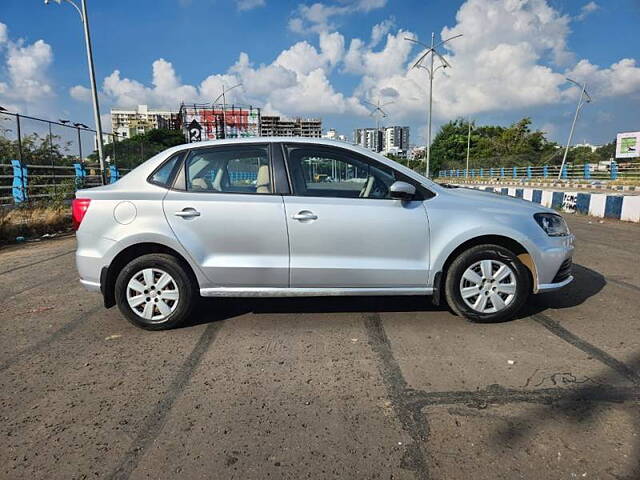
x=546 y=287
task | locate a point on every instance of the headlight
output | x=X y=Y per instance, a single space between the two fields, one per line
x=554 y=225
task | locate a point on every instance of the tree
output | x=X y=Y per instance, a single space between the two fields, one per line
x=131 y=152
x=491 y=146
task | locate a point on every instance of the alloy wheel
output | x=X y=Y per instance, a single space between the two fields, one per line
x=488 y=286
x=152 y=294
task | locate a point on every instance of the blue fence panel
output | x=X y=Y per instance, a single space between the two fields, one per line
x=515 y=172
x=529 y=172
x=545 y=171
x=114 y=174
x=586 y=172
x=81 y=173
x=20 y=181
x=502 y=172
x=614 y=170
x=564 y=172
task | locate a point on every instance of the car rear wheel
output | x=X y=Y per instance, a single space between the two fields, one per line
x=487 y=283
x=155 y=292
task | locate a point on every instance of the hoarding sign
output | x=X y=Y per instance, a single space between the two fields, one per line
x=206 y=123
x=628 y=145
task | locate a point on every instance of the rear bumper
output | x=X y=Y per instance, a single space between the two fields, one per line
x=90 y=286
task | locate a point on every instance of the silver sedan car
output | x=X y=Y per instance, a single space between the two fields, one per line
x=268 y=217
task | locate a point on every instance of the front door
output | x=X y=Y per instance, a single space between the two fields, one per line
x=227 y=216
x=344 y=229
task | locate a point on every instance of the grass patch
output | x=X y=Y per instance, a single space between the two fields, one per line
x=33 y=221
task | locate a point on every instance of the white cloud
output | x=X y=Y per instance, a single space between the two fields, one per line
x=587 y=9
x=80 y=93
x=503 y=62
x=4 y=34
x=249 y=4
x=319 y=17
x=381 y=29
x=621 y=78
x=25 y=82
x=295 y=83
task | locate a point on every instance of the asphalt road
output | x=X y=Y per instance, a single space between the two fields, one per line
x=323 y=388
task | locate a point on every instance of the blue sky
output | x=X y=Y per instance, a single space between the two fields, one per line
x=326 y=58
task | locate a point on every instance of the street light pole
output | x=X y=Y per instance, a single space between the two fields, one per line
x=92 y=77
x=468 y=147
x=431 y=70
x=584 y=98
x=433 y=36
x=224 y=106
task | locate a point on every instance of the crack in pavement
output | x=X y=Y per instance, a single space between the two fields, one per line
x=409 y=414
x=408 y=403
x=554 y=327
x=157 y=418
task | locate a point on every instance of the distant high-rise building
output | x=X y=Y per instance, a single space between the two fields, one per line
x=275 y=126
x=128 y=123
x=393 y=140
x=333 y=135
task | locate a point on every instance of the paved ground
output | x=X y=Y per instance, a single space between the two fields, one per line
x=323 y=388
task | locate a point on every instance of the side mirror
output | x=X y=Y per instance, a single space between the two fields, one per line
x=402 y=191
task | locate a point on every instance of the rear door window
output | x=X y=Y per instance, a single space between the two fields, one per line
x=237 y=169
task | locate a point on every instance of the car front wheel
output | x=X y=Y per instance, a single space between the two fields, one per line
x=155 y=292
x=487 y=283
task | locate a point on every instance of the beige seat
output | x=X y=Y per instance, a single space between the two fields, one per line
x=263 y=180
x=366 y=190
x=199 y=184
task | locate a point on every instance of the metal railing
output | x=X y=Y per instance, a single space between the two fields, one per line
x=43 y=159
x=590 y=172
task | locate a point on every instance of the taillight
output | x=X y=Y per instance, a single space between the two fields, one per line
x=79 y=207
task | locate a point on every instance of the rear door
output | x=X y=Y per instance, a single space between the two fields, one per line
x=227 y=214
x=344 y=229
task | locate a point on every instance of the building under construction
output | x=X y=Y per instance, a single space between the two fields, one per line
x=274 y=126
x=202 y=122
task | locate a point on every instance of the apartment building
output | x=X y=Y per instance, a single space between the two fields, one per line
x=128 y=123
x=394 y=140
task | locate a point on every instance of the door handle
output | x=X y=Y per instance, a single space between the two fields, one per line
x=304 y=215
x=187 y=213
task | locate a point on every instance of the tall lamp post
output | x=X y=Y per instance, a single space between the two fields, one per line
x=92 y=76
x=379 y=113
x=584 y=98
x=431 y=70
x=224 y=106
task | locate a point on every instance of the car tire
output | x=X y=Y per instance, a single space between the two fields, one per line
x=487 y=283
x=155 y=292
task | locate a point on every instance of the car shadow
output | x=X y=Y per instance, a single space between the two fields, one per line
x=586 y=284
x=584 y=406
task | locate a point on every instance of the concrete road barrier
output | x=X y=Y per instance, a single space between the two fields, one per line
x=619 y=207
